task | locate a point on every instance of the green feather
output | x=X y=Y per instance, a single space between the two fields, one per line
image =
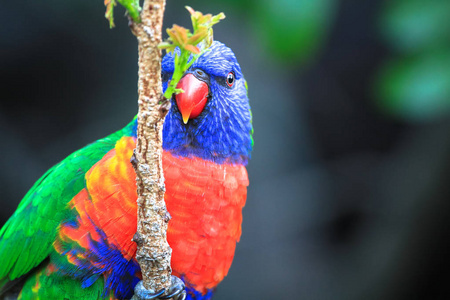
x=27 y=237
x=54 y=286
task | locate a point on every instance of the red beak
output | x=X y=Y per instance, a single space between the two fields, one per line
x=192 y=102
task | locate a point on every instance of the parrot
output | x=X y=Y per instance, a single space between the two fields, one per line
x=71 y=236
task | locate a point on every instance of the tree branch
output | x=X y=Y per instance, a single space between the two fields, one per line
x=153 y=252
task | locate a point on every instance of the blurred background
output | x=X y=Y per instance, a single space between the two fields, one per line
x=351 y=104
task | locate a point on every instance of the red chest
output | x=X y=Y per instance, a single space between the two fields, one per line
x=204 y=199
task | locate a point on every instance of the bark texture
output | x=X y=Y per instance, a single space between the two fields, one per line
x=153 y=252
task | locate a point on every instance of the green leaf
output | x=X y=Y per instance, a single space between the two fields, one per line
x=217 y=18
x=109 y=14
x=133 y=8
x=188 y=43
x=415 y=89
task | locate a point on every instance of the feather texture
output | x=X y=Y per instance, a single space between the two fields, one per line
x=71 y=236
x=205 y=200
x=27 y=237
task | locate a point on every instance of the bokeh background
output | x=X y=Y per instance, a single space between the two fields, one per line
x=349 y=194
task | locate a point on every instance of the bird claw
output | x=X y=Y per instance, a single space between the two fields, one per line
x=141 y=293
x=175 y=292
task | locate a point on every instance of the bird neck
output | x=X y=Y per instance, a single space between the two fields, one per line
x=220 y=142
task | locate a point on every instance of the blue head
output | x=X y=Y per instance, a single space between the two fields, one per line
x=219 y=127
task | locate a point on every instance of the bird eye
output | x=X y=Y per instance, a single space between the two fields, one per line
x=230 y=79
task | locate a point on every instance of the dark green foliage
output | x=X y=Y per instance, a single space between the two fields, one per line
x=413 y=26
x=293 y=30
x=415 y=85
x=416 y=88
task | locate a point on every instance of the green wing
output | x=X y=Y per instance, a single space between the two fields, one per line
x=27 y=237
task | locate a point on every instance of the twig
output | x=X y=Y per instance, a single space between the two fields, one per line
x=153 y=252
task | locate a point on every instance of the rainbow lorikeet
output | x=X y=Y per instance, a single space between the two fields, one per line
x=71 y=236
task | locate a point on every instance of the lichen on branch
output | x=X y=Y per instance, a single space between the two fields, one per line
x=153 y=252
